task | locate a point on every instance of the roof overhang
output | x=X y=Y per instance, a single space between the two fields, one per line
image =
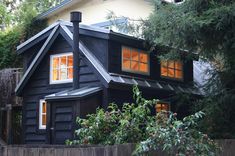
x=73 y=94
x=92 y=31
x=58 y=8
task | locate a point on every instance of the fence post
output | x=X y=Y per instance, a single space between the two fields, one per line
x=0 y=122
x=9 y=123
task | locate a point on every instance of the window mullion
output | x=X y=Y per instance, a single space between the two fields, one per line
x=131 y=58
x=139 y=60
x=59 y=70
x=67 y=67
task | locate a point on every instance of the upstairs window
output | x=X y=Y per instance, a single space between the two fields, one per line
x=135 y=60
x=172 y=69
x=42 y=114
x=61 y=68
x=160 y=106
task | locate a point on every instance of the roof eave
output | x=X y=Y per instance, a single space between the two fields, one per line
x=56 y=9
x=25 y=45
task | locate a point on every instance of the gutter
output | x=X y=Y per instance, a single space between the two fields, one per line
x=53 y=9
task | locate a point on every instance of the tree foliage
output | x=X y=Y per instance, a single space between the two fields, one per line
x=4 y=16
x=18 y=24
x=8 y=42
x=205 y=27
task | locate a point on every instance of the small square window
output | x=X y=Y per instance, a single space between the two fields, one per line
x=162 y=106
x=61 y=69
x=172 y=69
x=135 y=60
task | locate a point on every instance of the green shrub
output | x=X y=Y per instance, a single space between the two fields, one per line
x=134 y=123
x=168 y=134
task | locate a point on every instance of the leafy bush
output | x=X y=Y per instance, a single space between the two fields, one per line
x=115 y=126
x=134 y=123
x=174 y=136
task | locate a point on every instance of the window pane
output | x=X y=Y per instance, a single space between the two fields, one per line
x=163 y=71
x=165 y=107
x=126 y=53
x=164 y=63
x=178 y=65
x=158 y=107
x=171 y=64
x=126 y=64
x=70 y=73
x=170 y=72
x=162 y=106
x=63 y=62
x=134 y=65
x=143 y=57
x=55 y=74
x=178 y=74
x=143 y=67
x=63 y=73
x=44 y=119
x=44 y=107
x=55 y=62
x=135 y=56
x=70 y=61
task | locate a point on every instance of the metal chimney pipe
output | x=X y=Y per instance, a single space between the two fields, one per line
x=76 y=18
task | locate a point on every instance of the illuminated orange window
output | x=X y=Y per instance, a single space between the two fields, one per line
x=42 y=114
x=135 y=60
x=162 y=107
x=172 y=69
x=61 y=68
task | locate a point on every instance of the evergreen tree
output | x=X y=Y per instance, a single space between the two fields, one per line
x=206 y=27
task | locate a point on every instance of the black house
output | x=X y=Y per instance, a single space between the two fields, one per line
x=108 y=66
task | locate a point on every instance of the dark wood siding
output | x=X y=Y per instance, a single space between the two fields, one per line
x=63 y=120
x=63 y=116
x=99 y=47
x=29 y=55
x=38 y=86
x=125 y=95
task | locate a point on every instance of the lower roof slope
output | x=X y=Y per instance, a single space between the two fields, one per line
x=71 y=94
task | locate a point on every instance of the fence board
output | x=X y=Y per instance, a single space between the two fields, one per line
x=116 y=150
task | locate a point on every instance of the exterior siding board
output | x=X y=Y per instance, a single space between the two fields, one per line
x=38 y=87
x=29 y=55
x=99 y=48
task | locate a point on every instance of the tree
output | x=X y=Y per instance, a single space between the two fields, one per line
x=4 y=17
x=206 y=27
x=18 y=22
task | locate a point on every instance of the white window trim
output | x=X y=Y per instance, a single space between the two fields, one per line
x=51 y=69
x=40 y=114
x=133 y=71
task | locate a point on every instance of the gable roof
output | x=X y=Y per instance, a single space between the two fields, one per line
x=37 y=59
x=107 y=79
x=61 y=28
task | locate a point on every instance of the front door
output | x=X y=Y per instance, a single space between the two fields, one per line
x=62 y=122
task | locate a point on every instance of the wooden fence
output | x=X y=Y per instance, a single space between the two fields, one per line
x=57 y=150
x=228 y=149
